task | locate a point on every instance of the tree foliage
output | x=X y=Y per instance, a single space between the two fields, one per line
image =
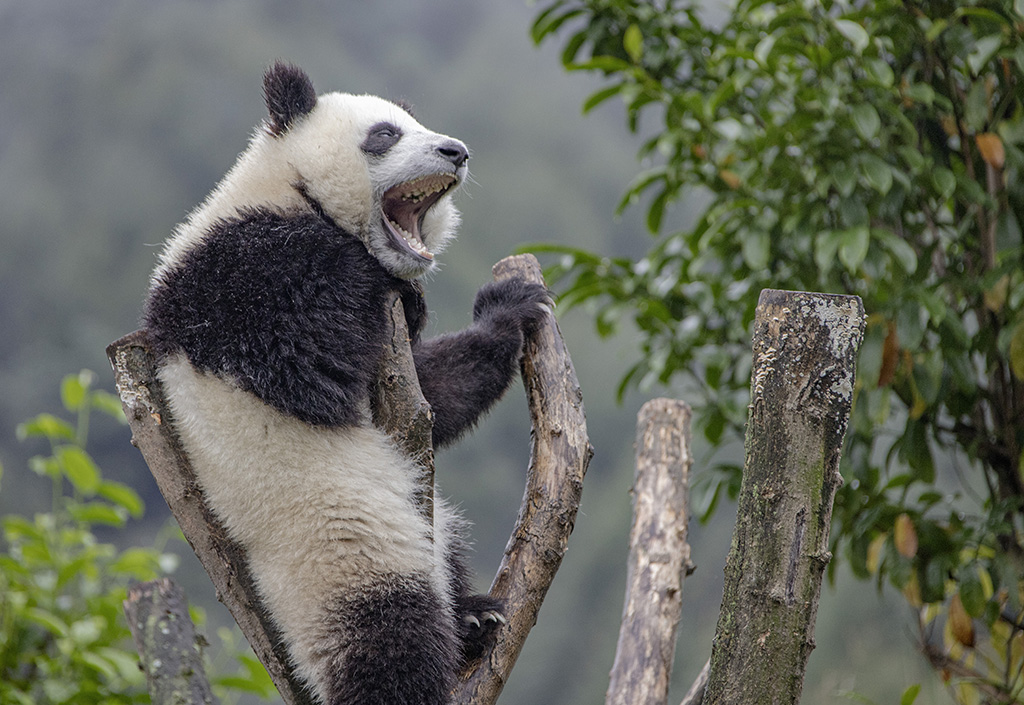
x=872 y=148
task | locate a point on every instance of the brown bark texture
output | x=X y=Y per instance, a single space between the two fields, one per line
x=804 y=350
x=165 y=638
x=659 y=556
x=398 y=405
x=559 y=454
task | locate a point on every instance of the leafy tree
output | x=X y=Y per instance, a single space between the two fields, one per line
x=872 y=148
x=63 y=635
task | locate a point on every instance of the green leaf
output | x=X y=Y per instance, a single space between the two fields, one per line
x=127 y=663
x=937 y=28
x=242 y=683
x=1017 y=351
x=877 y=172
x=103 y=667
x=764 y=49
x=548 y=22
x=972 y=594
x=49 y=621
x=598 y=97
x=910 y=694
x=80 y=469
x=825 y=247
x=109 y=404
x=46 y=426
x=916 y=452
x=656 y=211
x=880 y=71
x=97 y=513
x=976 y=108
x=944 y=181
x=140 y=563
x=844 y=178
x=608 y=64
x=866 y=121
x=756 y=249
x=899 y=248
x=72 y=391
x=984 y=49
x=123 y=496
x=920 y=92
x=854 y=247
x=855 y=33
x=86 y=631
x=258 y=675
x=44 y=467
x=633 y=43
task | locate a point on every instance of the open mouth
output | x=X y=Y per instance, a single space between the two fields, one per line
x=405 y=205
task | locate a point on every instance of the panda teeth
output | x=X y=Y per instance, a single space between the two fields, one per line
x=411 y=240
x=430 y=186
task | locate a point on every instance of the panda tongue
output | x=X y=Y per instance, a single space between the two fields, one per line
x=402 y=217
x=408 y=235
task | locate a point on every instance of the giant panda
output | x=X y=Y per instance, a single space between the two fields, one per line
x=267 y=312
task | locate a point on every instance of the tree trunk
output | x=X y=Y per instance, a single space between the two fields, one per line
x=659 y=556
x=804 y=348
x=165 y=638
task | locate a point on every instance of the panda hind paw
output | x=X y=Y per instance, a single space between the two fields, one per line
x=479 y=617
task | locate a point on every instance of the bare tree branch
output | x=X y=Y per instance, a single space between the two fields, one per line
x=165 y=638
x=398 y=405
x=560 y=453
x=804 y=348
x=659 y=556
x=695 y=695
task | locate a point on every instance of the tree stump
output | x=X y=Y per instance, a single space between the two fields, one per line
x=804 y=348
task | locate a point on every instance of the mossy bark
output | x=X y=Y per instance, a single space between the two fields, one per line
x=804 y=348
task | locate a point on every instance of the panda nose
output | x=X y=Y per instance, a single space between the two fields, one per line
x=454 y=151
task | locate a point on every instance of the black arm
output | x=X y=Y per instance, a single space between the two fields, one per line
x=462 y=374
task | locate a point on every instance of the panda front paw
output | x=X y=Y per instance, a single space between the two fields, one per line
x=513 y=302
x=478 y=619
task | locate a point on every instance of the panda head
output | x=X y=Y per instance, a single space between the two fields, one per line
x=368 y=165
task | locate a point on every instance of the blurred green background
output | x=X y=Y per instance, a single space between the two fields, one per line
x=117 y=117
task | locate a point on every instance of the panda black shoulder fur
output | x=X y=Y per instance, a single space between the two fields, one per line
x=268 y=311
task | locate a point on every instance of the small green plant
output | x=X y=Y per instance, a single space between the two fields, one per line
x=63 y=637
x=63 y=634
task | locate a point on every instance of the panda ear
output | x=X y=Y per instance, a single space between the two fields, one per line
x=289 y=94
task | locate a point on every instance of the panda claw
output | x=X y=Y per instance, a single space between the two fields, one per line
x=471 y=620
x=495 y=617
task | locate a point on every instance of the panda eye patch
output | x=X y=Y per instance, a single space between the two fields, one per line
x=380 y=138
